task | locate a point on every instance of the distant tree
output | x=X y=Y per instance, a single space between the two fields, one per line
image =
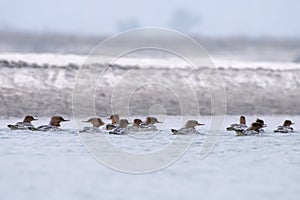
x=126 y=24
x=183 y=20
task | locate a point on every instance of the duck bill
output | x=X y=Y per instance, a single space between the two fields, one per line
x=201 y=124
x=159 y=122
x=35 y=119
x=65 y=120
x=85 y=121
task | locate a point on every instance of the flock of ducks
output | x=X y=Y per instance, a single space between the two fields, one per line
x=256 y=127
x=123 y=126
x=116 y=126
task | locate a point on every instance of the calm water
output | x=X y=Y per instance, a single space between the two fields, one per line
x=56 y=165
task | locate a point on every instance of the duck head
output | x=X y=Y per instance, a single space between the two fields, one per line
x=152 y=120
x=256 y=126
x=123 y=123
x=115 y=119
x=55 y=120
x=192 y=124
x=97 y=122
x=137 y=122
x=242 y=120
x=29 y=119
x=261 y=122
x=288 y=123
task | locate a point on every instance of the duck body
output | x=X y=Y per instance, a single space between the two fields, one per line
x=189 y=128
x=254 y=129
x=134 y=129
x=96 y=122
x=184 y=131
x=25 y=125
x=238 y=127
x=147 y=127
x=122 y=129
x=284 y=129
x=90 y=130
x=119 y=131
x=110 y=126
x=21 y=126
x=54 y=124
x=115 y=120
x=246 y=132
x=46 y=128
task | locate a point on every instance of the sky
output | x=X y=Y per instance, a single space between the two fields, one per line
x=252 y=18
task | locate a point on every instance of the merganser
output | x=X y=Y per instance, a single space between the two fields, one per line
x=115 y=119
x=121 y=129
x=148 y=125
x=25 y=125
x=263 y=125
x=285 y=128
x=189 y=128
x=254 y=129
x=135 y=125
x=53 y=125
x=96 y=122
x=241 y=126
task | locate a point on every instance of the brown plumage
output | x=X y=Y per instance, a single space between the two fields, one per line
x=115 y=119
x=152 y=120
x=287 y=123
x=55 y=121
x=242 y=120
x=137 y=122
x=29 y=119
x=97 y=122
x=255 y=126
x=192 y=124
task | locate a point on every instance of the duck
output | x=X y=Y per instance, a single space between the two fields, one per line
x=285 y=128
x=121 y=129
x=96 y=122
x=189 y=128
x=241 y=126
x=148 y=125
x=254 y=129
x=263 y=125
x=115 y=119
x=25 y=125
x=54 y=124
x=135 y=127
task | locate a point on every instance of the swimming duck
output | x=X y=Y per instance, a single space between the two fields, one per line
x=254 y=129
x=263 y=125
x=148 y=125
x=121 y=129
x=96 y=122
x=115 y=119
x=189 y=128
x=241 y=126
x=25 y=125
x=135 y=125
x=285 y=128
x=53 y=125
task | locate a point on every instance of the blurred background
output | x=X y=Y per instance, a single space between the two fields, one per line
x=222 y=27
x=255 y=44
